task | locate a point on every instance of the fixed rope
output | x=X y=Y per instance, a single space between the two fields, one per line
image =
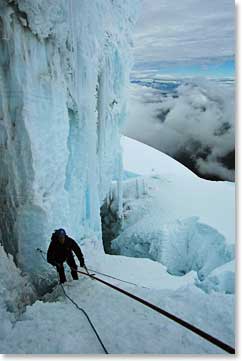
x=169 y=315
x=115 y=278
x=178 y=320
x=79 y=308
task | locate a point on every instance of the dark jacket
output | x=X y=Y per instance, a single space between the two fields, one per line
x=58 y=253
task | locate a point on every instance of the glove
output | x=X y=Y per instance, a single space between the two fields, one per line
x=82 y=263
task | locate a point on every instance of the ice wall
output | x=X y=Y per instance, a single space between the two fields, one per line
x=64 y=67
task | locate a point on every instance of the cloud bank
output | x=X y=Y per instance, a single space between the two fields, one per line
x=194 y=124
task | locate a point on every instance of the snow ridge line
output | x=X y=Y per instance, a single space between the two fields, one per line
x=78 y=307
x=161 y=311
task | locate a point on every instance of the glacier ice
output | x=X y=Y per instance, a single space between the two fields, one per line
x=182 y=245
x=16 y=292
x=64 y=68
x=221 y=279
x=178 y=219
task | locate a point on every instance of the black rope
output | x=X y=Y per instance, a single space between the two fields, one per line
x=185 y=324
x=172 y=317
x=88 y=318
x=78 y=307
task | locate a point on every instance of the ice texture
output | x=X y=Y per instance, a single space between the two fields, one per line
x=181 y=245
x=222 y=279
x=64 y=68
x=174 y=217
x=16 y=292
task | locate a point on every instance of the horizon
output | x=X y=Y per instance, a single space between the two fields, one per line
x=216 y=71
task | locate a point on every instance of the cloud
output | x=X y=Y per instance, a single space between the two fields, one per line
x=194 y=125
x=171 y=31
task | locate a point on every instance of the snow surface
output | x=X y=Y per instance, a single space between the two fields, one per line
x=179 y=192
x=137 y=330
x=125 y=326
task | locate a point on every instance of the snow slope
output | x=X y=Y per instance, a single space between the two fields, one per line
x=180 y=192
x=174 y=217
x=125 y=326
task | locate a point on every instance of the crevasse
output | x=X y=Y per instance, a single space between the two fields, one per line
x=64 y=68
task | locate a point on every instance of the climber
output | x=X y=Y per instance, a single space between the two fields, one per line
x=60 y=250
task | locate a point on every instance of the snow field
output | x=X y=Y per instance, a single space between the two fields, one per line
x=125 y=326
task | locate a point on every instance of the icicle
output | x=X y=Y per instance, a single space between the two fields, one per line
x=144 y=188
x=111 y=194
x=73 y=42
x=108 y=200
x=137 y=188
x=120 y=188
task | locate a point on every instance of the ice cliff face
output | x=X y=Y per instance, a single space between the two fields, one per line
x=64 y=66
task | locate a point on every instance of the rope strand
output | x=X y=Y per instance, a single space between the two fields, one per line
x=88 y=318
x=115 y=278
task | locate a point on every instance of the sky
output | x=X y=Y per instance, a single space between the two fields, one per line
x=185 y=38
